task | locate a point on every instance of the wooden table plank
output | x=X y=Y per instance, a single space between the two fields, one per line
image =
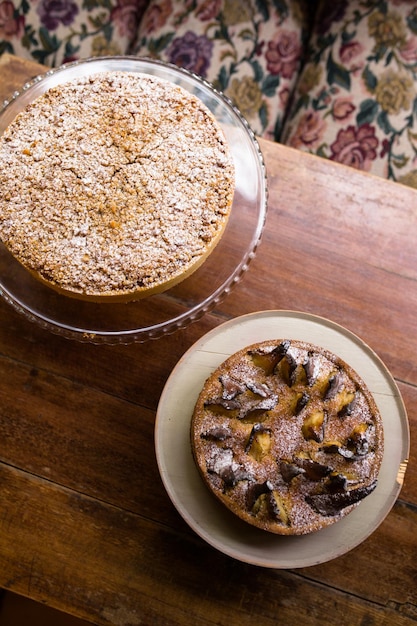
x=85 y=523
x=110 y=561
x=14 y=72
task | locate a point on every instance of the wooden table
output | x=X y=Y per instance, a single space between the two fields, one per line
x=85 y=523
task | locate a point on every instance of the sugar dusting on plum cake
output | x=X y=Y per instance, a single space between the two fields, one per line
x=287 y=436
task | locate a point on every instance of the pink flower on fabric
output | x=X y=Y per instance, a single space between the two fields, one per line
x=409 y=50
x=125 y=16
x=283 y=53
x=208 y=10
x=349 y=51
x=355 y=147
x=192 y=52
x=309 y=131
x=342 y=108
x=52 y=13
x=9 y=25
x=156 y=16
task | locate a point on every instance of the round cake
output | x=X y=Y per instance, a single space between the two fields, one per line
x=114 y=186
x=287 y=436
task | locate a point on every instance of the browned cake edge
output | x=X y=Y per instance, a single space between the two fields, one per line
x=123 y=183
x=304 y=523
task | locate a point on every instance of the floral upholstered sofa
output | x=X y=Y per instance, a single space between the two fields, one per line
x=337 y=78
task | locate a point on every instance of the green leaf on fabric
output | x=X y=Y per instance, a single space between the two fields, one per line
x=320 y=103
x=263 y=115
x=337 y=74
x=277 y=129
x=263 y=8
x=158 y=45
x=400 y=160
x=412 y=22
x=83 y=32
x=324 y=42
x=321 y=150
x=258 y=72
x=222 y=32
x=29 y=39
x=49 y=42
x=6 y=46
x=222 y=79
x=25 y=41
x=413 y=139
x=301 y=103
x=282 y=7
x=70 y=49
x=108 y=32
x=346 y=37
x=270 y=85
x=246 y=34
x=384 y=123
x=390 y=57
x=97 y=21
x=415 y=107
x=383 y=7
x=40 y=55
x=379 y=53
x=370 y=79
x=90 y=4
x=367 y=112
x=24 y=7
x=96 y=4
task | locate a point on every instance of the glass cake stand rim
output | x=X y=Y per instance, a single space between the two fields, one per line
x=80 y=332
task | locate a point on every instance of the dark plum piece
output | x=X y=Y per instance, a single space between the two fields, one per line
x=218 y=433
x=313 y=470
x=333 y=503
x=269 y=359
x=335 y=385
x=231 y=387
x=310 y=369
x=290 y=470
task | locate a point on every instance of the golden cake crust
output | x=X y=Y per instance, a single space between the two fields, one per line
x=114 y=186
x=287 y=436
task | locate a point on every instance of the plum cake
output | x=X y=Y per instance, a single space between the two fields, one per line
x=287 y=436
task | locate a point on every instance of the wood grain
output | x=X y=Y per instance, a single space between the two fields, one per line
x=85 y=523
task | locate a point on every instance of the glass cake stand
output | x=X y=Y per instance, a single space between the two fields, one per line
x=161 y=314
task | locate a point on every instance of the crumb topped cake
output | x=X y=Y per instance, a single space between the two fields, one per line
x=114 y=186
x=287 y=436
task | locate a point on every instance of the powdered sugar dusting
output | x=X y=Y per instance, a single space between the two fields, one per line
x=114 y=183
x=299 y=464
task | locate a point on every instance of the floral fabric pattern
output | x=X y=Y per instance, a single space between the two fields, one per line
x=53 y=32
x=337 y=79
x=249 y=49
x=356 y=98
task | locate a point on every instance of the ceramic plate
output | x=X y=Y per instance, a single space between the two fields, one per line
x=204 y=514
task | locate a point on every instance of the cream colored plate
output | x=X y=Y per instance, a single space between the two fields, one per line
x=207 y=517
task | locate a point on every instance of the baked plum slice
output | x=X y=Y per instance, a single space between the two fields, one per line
x=333 y=503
